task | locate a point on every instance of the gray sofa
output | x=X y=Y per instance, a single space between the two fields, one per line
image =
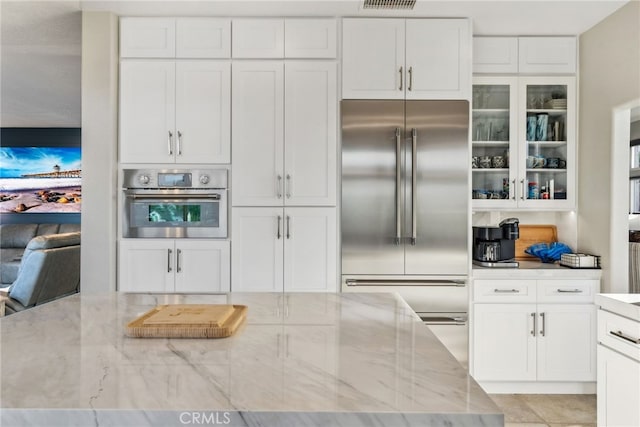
x=47 y=268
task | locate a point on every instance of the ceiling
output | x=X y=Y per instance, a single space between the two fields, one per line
x=41 y=41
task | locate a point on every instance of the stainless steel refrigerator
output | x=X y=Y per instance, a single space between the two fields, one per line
x=405 y=208
x=405 y=187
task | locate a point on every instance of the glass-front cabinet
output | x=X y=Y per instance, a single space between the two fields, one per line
x=523 y=143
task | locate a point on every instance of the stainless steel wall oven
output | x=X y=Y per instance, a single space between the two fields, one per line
x=173 y=203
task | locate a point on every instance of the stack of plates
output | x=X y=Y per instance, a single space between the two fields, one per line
x=556 y=104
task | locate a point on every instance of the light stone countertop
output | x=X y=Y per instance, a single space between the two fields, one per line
x=299 y=359
x=537 y=269
x=621 y=304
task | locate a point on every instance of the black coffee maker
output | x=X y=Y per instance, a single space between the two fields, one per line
x=496 y=246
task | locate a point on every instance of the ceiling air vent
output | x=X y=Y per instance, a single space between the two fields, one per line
x=389 y=4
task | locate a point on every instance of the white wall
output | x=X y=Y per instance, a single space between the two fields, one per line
x=99 y=149
x=609 y=77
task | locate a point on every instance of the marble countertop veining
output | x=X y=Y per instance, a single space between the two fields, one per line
x=323 y=359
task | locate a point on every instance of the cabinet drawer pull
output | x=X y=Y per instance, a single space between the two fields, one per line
x=279 y=186
x=622 y=335
x=179 y=143
x=169 y=260
x=542 y=332
x=533 y=328
x=288 y=185
x=506 y=291
x=400 y=71
x=278 y=234
x=410 y=87
x=523 y=189
x=513 y=188
x=178 y=267
x=570 y=291
x=170 y=143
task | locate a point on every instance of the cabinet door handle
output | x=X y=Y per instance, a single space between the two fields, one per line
x=288 y=227
x=288 y=186
x=506 y=291
x=170 y=143
x=533 y=328
x=624 y=336
x=169 y=251
x=410 y=87
x=542 y=331
x=522 y=194
x=400 y=71
x=279 y=186
x=179 y=143
x=398 y=186
x=513 y=189
x=570 y=291
x=178 y=267
x=279 y=222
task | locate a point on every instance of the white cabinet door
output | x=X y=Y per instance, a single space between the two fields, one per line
x=495 y=55
x=504 y=344
x=147 y=37
x=146 y=265
x=547 y=55
x=257 y=249
x=257 y=133
x=203 y=38
x=438 y=59
x=310 y=249
x=258 y=38
x=310 y=133
x=147 y=111
x=618 y=389
x=310 y=38
x=203 y=266
x=566 y=342
x=373 y=58
x=203 y=122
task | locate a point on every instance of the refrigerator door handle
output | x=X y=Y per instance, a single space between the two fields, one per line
x=414 y=165
x=398 y=187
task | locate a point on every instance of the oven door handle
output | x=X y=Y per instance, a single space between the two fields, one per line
x=406 y=282
x=169 y=197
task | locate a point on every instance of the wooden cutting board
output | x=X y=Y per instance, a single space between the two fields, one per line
x=532 y=234
x=188 y=321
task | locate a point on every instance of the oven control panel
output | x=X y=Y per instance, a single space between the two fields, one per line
x=174 y=178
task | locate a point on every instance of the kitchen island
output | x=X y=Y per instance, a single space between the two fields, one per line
x=298 y=359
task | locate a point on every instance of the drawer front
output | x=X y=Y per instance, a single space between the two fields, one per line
x=619 y=333
x=567 y=291
x=504 y=290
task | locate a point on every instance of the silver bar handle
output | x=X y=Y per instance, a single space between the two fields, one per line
x=398 y=186
x=179 y=143
x=624 y=336
x=170 y=197
x=178 y=267
x=414 y=192
x=279 y=186
x=533 y=328
x=288 y=227
x=279 y=222
x=506 y=291
x=169 y=251
x=400 y=71
x=513 y=189
x=570 y=291
x=170 y=143
x=444 y=320
x=402 y=282
x=288 y=186
x=410 y=78
x=542 y=331
x=522 y=185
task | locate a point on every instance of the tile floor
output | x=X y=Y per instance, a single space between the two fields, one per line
x=552 y=410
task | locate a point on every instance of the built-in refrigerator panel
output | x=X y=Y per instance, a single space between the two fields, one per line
x=370 y=165
x=437 y=144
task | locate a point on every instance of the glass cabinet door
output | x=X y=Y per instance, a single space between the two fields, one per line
x=548 y=135
x=493 y=142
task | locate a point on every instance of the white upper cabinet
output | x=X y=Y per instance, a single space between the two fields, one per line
x=406 y=59
x=175 y=38
x=147 y=37
x=547 y=55
x=310 y=38
x=497 y=55
x=203 y=38
x=258 y=38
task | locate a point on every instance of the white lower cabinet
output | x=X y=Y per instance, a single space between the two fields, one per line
x=534 y=331
x=174 y=265
x=291 y=249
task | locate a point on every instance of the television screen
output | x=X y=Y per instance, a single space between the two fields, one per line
x=40 y=179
